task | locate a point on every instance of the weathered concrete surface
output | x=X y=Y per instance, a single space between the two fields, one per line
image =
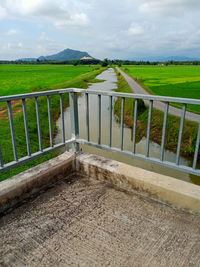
x=21 y=186
x=157 y=186
x=126 y=177
x=88 y=223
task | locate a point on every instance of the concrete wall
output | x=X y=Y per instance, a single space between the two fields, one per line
x=160 y=187
x=23 y=185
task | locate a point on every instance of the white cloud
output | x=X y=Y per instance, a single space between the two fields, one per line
x=135 y=29
x=13 y=45
x=3 y=12
x=79 y=19
x=167 y=7
x=44 y=38
x=59 y=13
x=104 y=28
x=12 y=32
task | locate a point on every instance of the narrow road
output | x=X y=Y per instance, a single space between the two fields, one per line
x=138 y=89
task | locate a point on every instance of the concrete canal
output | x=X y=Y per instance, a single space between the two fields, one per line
x=109 y=82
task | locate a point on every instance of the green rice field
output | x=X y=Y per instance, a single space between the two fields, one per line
x=19 y=79
x=175 y=81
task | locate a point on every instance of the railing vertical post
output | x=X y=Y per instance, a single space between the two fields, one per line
x=11 y=121
x=99 y=119
x=111 y=120
x=149 y=127
x=26 y=127
x=74 y=119
x=135 y=125
x=50 y=120
x=180 y=136
x=122 y=122
x=196 y=149
x=87 y=116
x=38 y=123
x=1 y=158
x=164 y=131
x=62 y=118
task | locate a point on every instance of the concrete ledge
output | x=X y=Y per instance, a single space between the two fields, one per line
x=163 y=188
x=23 y=185
x=160 y=187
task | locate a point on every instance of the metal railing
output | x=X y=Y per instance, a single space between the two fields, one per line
x=75 y=140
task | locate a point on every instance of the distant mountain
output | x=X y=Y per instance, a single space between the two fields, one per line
x=164 y=59
x=67 y=54
x=28 y=59
x=177 y=58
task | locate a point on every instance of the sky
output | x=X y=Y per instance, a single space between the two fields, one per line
x=123 y=29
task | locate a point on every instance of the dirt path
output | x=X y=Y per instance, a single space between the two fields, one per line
x=138 y=89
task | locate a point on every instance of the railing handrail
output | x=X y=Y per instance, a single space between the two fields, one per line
x=36 y=94
x=181 y=100
x=75 y=140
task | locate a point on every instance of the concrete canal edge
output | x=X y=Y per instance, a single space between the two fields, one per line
x=125 y=177
x=129 y=178
x=26 y=184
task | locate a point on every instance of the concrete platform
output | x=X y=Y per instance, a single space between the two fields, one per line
x=85 y=222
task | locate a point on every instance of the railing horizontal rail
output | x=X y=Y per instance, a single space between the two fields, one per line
x=35 y=155
x=104 y=93
x=142 y=96
x=143 y=157
x=37 y=94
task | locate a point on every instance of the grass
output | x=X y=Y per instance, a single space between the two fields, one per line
x=190 y=129
x=19 y=79
x=175 y=81
x=80 y=81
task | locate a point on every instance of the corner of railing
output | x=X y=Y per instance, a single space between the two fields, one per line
x=74 y=119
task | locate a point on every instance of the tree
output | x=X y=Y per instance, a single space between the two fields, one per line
x=104 y=63
x=76 y=63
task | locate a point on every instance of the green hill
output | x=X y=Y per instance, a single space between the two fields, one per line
x=67 y=54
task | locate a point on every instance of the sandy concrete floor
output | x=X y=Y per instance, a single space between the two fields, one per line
x=87 y=223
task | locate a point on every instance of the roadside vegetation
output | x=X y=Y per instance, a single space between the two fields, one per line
x=64 y=77
x=190 y=128
x=175 y=81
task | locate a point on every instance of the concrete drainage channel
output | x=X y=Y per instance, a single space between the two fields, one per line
x=125 y=177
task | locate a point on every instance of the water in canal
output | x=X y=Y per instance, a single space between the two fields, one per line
x=109 y=83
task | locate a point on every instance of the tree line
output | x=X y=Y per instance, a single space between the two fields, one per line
x=104 y=63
